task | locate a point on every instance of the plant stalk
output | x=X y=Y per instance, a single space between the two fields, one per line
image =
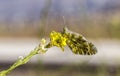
x=20 y=62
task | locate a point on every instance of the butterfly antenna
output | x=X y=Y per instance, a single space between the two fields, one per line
x=64 y=24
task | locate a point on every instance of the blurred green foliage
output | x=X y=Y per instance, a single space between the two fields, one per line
x=67 y=70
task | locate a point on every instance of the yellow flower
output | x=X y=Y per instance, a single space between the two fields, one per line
x=56 y=39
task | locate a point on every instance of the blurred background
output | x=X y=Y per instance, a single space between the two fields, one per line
x=24 y=22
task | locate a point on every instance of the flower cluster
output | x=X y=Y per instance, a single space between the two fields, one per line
x=57 y=39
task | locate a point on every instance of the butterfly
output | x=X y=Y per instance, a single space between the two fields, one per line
x=78 y=44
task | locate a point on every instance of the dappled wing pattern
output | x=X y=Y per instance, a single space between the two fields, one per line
x=78 y=44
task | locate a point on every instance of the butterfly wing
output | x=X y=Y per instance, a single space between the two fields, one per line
x=79 y=45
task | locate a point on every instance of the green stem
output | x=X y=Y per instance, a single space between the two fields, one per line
x=20 y=62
